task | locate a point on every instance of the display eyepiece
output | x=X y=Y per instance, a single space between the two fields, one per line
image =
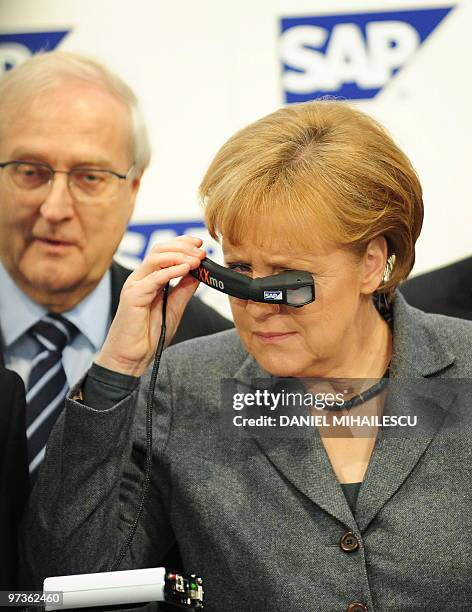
x=294 y=288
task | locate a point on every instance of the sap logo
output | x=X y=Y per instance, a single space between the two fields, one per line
x=16 y=48
x=352 y=56
x=273 y=295
x=141 y=237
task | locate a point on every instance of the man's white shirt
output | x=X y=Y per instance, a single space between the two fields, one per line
x=92 y=317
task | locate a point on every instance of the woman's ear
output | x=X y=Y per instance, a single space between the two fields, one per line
x=373 y=264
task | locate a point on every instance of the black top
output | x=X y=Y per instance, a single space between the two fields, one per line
x=351 y=491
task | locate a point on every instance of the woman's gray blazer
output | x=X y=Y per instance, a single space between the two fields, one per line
x=261 y=517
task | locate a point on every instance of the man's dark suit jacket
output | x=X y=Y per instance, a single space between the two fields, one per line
x=446 y=291
x=198 y=320
x=14 y=486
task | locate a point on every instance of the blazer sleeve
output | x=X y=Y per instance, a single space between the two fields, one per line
x=90 y=486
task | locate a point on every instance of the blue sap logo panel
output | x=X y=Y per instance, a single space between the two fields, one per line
x=351 y=56
x=15 y=48
x=141 y=237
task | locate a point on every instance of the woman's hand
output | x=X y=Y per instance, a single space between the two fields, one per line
x=131 y=342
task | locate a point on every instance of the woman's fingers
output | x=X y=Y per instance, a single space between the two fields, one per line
x=179 y=243
x=156 y=261
x=181 y=294
x=142 y=291
x=183 y=249
x=178 y=299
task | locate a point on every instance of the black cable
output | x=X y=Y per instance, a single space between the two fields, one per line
x=148 y=471
x=360 y=398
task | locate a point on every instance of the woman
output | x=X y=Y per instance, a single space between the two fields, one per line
x=317 y=187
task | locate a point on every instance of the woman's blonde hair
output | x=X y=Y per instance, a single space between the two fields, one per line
x=321 y=162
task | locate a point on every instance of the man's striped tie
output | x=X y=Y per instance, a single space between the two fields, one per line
x=47 y=385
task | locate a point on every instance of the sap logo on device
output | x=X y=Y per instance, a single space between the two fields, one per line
x=273 y=295
x=15 y=48
x=352 y=56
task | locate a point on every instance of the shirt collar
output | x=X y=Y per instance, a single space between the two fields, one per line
x=92 y=315
x=18 y=312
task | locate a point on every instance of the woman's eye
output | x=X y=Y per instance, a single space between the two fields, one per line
x=239 y=267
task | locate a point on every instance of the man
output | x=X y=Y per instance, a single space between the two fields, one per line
x=73 y=149
x=446 y=291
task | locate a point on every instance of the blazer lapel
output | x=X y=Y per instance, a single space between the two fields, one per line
x=419 y=354
x=305 y=464
x=299 y=456
x=397 y=450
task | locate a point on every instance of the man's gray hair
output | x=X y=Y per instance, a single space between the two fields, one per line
x=48 y=70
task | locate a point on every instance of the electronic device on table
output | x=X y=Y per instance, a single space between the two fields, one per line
x=154 y=584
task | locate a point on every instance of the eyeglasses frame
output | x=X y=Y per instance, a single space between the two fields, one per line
x=67 y=172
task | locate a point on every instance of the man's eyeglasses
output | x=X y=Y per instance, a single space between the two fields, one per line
x=86 y=185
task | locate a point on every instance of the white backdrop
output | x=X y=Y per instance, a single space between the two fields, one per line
x=204 y=69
